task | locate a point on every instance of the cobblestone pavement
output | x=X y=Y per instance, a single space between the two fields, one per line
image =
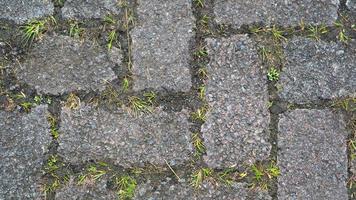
x=180 y=99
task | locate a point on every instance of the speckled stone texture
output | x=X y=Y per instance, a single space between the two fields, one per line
x=281 y=12
x=236 y=129
x=24 y=139
x=183 y=191
x=123 y=139
x=88 y=191
x=160 y=45
x=312 y=156
x=60 y=64
x=21 y=11
x=317 y=70
x=351 y=4
x=93 y=9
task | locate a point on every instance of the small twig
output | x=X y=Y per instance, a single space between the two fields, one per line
x=172 y=170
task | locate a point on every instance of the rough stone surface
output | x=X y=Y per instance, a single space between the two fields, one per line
x=94 y=9
x=312 y=156
x=94 y=191
x=281 y=12
x=236 y=127
x=160 y=45
x=123 y=139
x=181 y=191
x=24 y=139
x=21 y=11
x=61 y=64
x=351 y=4
x=317 y=70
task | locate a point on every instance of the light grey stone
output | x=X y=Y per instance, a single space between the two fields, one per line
x=351 y=4
x=59 y=64
x=24 y=139
x=21 y=11
x=160 y=45
x=123 y=139
x=93 y=9
x=281 y=12
x=317 y=70
x=312 y=155
x=184 y=191
x=236 y=129
x=89 y=191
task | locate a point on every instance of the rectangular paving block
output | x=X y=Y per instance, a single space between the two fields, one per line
x=281 y=12
x=312 y=155
x=317 y=70
x=123 y=139
x=21 y=11
x=94 y=190
x=94 y=9
x=160 y=45
x=24 y=139
x=236 y=129
x=169 y=189
x=60 y=64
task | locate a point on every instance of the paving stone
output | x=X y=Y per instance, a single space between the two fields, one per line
x=351 y=4
x=21 y=11
x=182 y=191
x=160 y=45
x=236 y=129
x=94 y=9
x=312 y=155
x=281 y=12
x=123 y=139
x=88 y=191
x=317 y=70
x=60 y=64
x=24 y=139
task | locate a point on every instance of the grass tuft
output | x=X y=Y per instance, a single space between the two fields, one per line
x=200 y=114
x=73 y=102
x=112 y=38
x=127 y=186
x=263 y=174
x=315 y=32
x=139 y=105
x=198 y=145
x=125 y=84
x=92 y=174
x=202 y=90
x=33 y=30
x=203 y=73
x=199 y=3
x=273 y=74
x=199 y=176
x=53 y=126
x=75 y=30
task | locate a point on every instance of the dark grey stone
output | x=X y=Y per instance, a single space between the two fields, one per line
x=24 y=139
x=236 y=129
x=123 y=139
x=160 y=45
x=312 y=155
x=281 y=12
x=59 y=64
x=90 y=191
x=21 y=11
x=184 y=191
x=95 y=9
x=351 y=4
x=317 y=70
